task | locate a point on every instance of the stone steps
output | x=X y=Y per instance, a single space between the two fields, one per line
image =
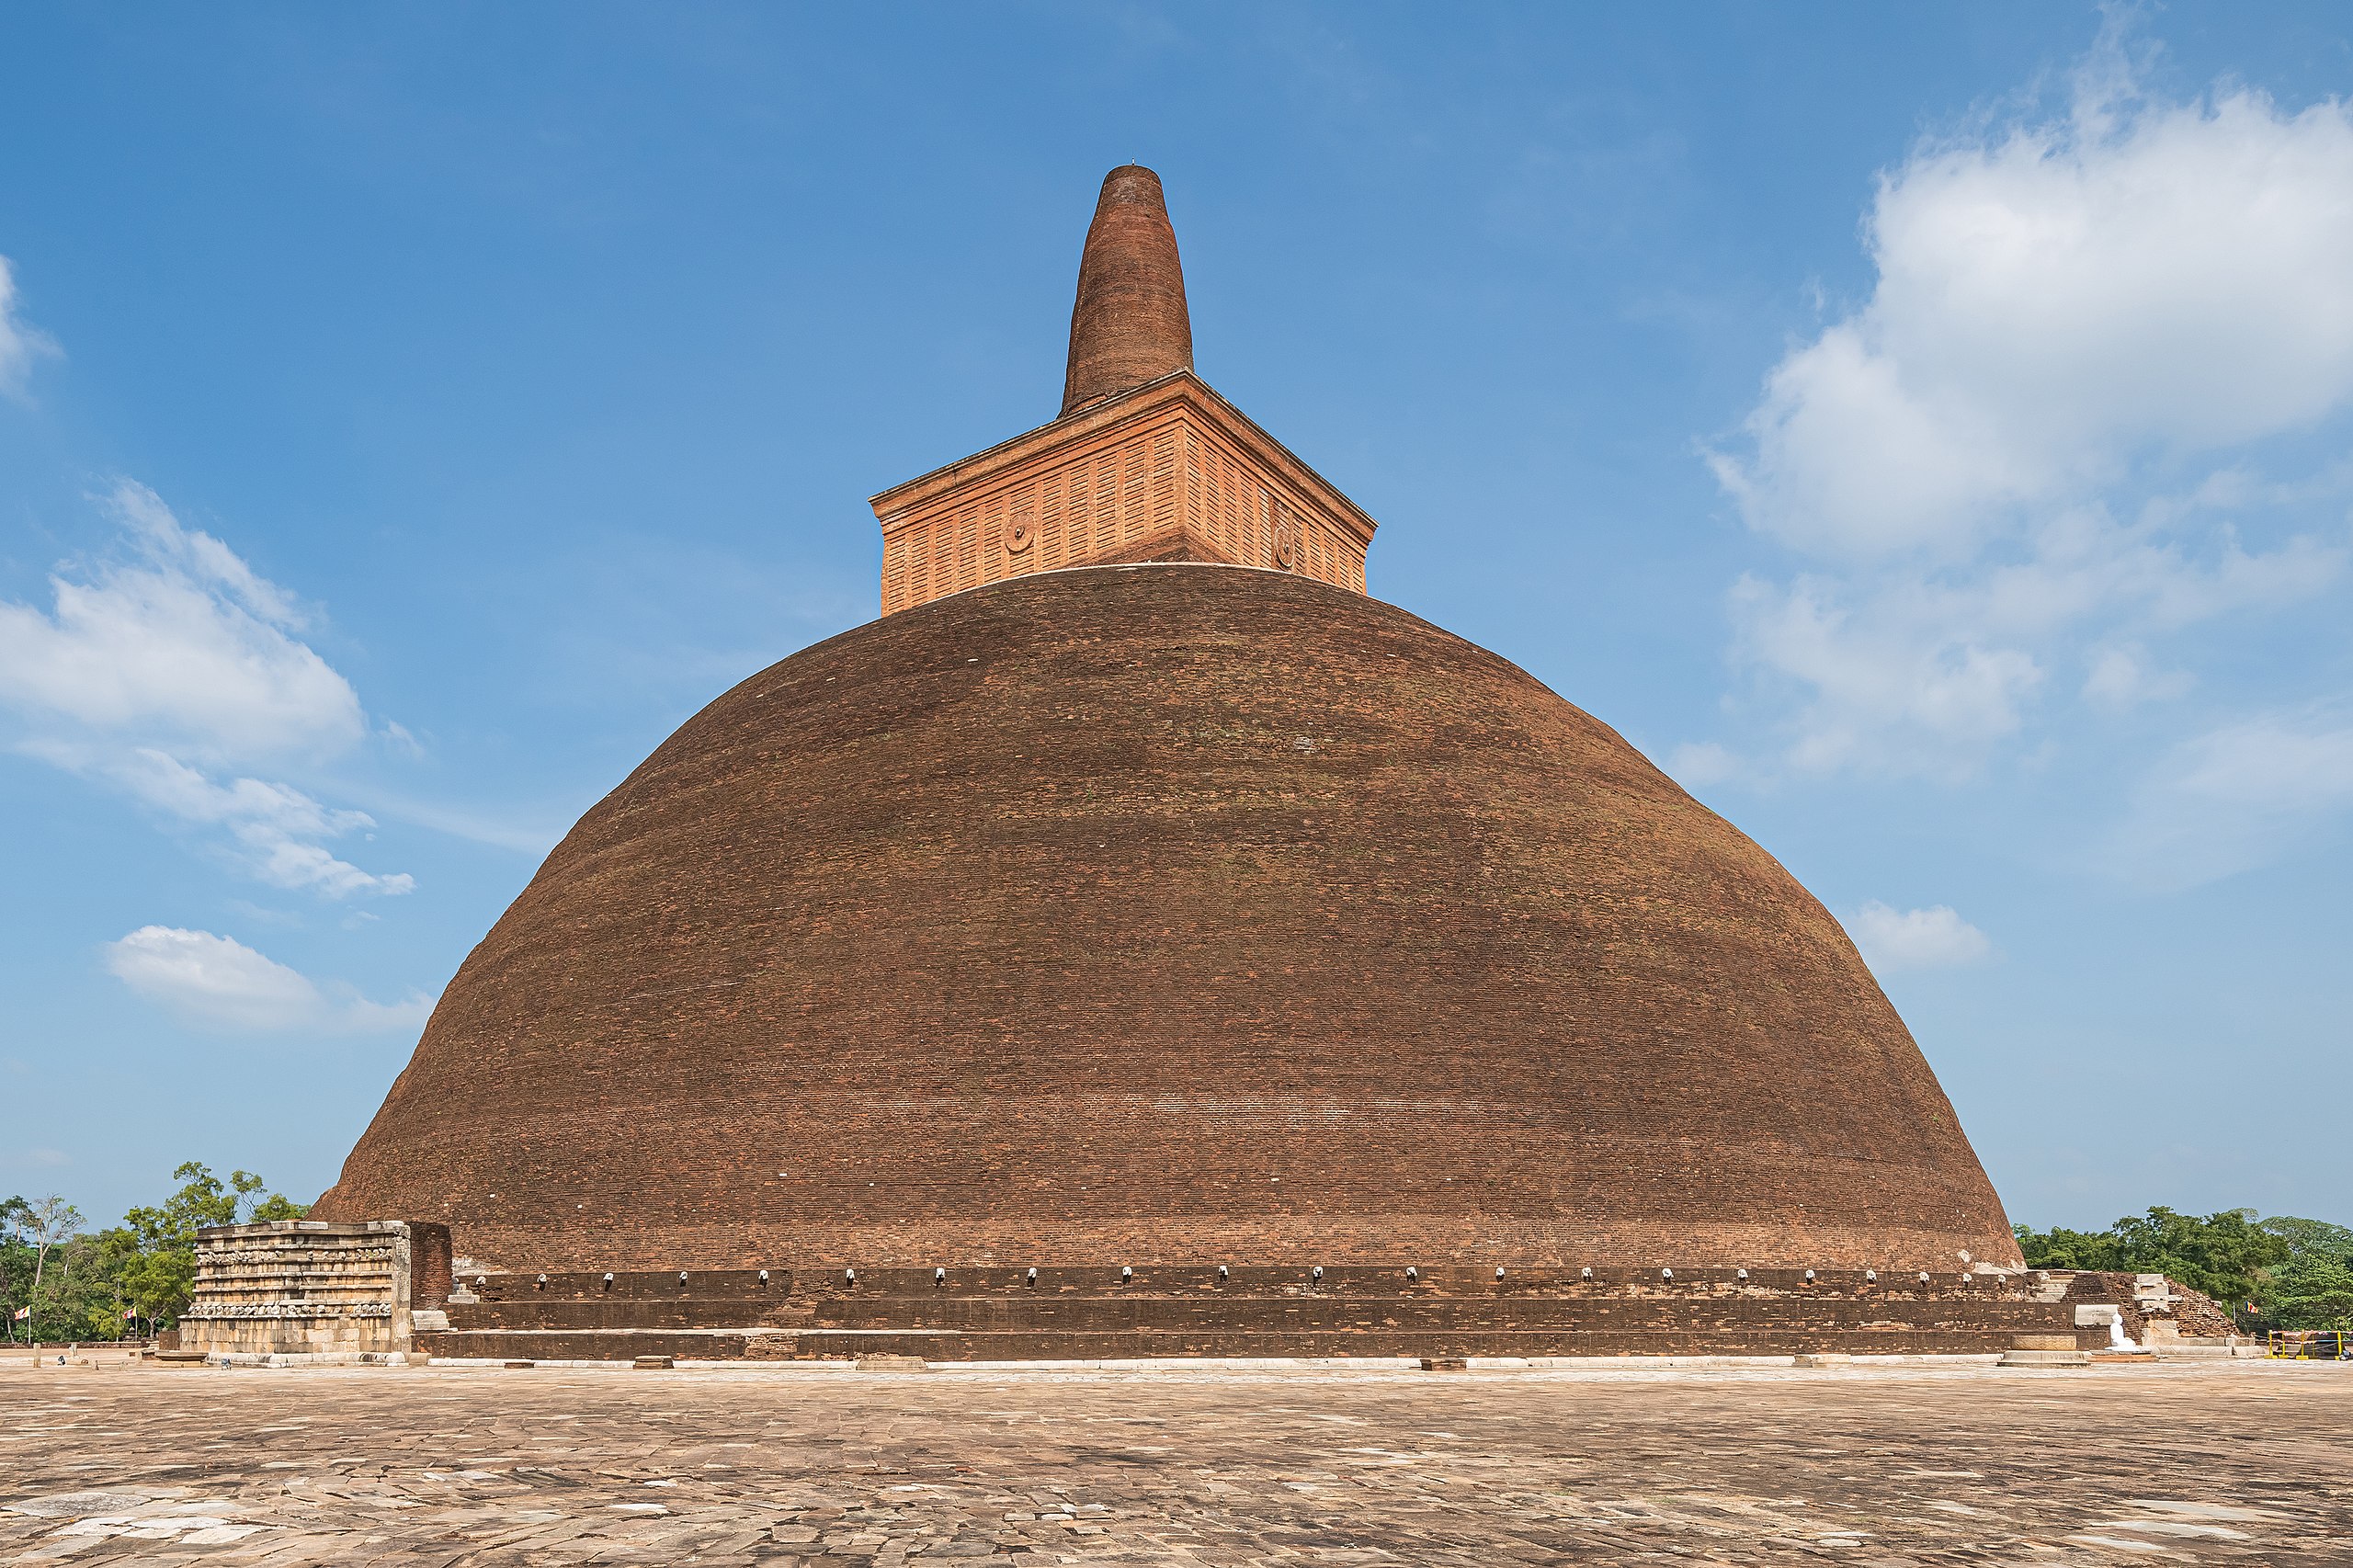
x=944 y=1325
x=1007 y=1313
x=754 y=1344
x=1384 y=1280
x=1239 y=1313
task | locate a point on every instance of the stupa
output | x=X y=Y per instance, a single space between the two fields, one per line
x=1138 y=900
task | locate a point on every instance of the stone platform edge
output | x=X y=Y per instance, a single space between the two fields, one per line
x=838 y=1366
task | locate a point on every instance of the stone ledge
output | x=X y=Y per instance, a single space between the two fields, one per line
x=286 y=1310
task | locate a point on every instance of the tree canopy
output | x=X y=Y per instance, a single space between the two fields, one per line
x=2283 y=1272
x=2313 y=1287
x=77 y=1286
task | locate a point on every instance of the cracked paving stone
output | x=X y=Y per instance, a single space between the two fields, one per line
x=1894 y=1466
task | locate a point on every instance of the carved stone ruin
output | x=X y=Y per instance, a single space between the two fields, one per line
x=316 y=1288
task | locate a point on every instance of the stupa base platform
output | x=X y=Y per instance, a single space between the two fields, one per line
x=721 y=1345
x=1005 y=1316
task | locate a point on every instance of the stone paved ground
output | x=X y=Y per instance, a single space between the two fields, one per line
x=2181 y=1462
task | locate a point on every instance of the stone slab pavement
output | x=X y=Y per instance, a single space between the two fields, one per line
x=1885 y=1466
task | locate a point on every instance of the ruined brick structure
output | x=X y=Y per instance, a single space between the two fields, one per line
x=1184 y=912
x=314 y=1287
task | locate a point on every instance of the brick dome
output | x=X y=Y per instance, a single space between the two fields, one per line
x=1165 y=913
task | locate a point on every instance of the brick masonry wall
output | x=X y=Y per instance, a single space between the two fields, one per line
x=1129 y=324
x=992 y=1314
x=429 y=1265
x=1157 y=915
x=1183 y=468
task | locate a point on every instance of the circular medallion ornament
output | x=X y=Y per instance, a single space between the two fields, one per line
x=1286 y=539
x=1017 y=534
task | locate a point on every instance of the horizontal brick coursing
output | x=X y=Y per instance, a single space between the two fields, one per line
x=1983 y=1332
x=1129 y=324
x=1164 y=914
x=1012 y=1315
x=1168 y=470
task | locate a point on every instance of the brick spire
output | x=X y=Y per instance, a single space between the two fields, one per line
x=1144 y=462
x=1130 y=325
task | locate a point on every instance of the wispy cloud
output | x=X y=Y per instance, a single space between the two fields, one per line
x=1936 y=938
x=534 y=834
x=276 y=829
x=2236 y=797
x=168 y=670
x=218 y=983
x=21 y=343
x=177 y=640
x=1695 y=765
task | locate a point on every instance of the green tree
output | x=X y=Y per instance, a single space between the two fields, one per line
x=81 y=1296
x=2223 y=1255
x=2060 y=1248
x=17 y=1263
x=75 y=1286
x=2315 y=1238
x=2313 y=1287
x=109 y=1256
x=49 y=1222
x=158 y=1270
x=53 y=1274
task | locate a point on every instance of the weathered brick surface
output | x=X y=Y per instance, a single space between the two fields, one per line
x=1162 y=914
x=429 y=1264
x=1002 y=1314
x=1129 y=325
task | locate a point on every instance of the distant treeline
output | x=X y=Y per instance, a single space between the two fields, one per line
x=59 y=1282
x=2276 y=1273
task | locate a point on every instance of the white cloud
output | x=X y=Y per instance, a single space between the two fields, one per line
x=1696 y=765
x=1902 y=673
x=180 y=643
x=534 y=837
x=2052 y=299
x=219 y=983
x=173 y=664
x=2236 y=797
x=1995 y=460
x=1936 y=938
x=21 y=343
x=2120 y=677
x=275 y=826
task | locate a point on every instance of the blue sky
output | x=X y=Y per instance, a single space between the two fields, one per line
x=1923 y=429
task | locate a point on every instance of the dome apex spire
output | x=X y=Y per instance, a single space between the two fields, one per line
x=1129 y=324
